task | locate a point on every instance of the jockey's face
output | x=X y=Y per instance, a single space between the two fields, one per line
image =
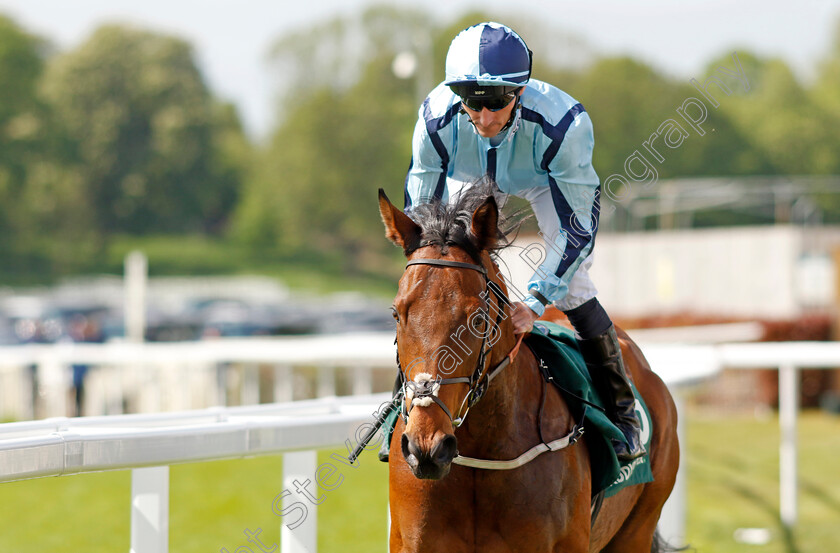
x=489 y=123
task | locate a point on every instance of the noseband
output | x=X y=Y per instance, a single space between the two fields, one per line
x=425 y=391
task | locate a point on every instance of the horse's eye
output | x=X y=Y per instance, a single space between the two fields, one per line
x=395 y=314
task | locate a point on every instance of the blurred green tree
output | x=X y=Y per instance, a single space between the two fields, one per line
x=628 y=101
x=44 y=221
x=826 y=94
x=795 y=134
x=826 y=91
x=345 y=127
x=21 y=119
x=153 y=151
x=793 y=127
x=347 y=121
x=122 y=135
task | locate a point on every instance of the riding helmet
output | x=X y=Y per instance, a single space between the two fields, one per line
x=488 y=54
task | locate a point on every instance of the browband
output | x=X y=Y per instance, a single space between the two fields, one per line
x=447 y=263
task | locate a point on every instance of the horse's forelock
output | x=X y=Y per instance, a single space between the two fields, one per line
x=447 y=224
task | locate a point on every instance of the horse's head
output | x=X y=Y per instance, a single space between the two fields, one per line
x=450 y=312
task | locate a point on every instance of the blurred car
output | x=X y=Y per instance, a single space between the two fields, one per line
x=214 y=317
x=353 y=313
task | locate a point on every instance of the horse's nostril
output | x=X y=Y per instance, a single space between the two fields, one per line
x=409 y=451
x=445 y=450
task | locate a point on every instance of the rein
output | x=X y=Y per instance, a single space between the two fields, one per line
x=424 y=391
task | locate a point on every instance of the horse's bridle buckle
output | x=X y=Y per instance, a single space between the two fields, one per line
x=577 y=435
x=477 y=392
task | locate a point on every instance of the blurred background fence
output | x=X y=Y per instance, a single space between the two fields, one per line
x=139 y=375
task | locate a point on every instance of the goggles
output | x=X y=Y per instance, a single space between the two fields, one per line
x=493 y=98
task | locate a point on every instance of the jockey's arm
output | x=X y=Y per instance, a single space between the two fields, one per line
x=567 y=214
x=426 y=178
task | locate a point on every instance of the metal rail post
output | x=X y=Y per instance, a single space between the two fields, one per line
x=362 y=380
x=249 y=393
x=788 y=408
x=299 y=534
x=673 y=517
x=326 y=381
x=150 y=510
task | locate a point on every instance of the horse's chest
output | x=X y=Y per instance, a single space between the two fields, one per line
x=502 y=513
x=526 y=504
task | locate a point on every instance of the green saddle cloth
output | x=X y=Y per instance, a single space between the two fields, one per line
x=557 y=347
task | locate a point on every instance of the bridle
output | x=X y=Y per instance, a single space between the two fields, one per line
x=419 y=390
x=479 y=381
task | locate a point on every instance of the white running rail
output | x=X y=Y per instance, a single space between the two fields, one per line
x=147 y=444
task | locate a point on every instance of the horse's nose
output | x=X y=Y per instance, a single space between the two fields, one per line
x=430 y=464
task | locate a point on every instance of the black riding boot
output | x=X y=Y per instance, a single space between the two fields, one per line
x=603 y=359
x=388 y=425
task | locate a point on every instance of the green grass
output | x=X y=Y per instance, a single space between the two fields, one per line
x=88 y=512
x=733 y=482
x=732 y=470
x=211 y=505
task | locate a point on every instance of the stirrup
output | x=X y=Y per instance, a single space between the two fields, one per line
x=633 y=449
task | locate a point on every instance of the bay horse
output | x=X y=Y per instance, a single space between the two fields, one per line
x=450 y=344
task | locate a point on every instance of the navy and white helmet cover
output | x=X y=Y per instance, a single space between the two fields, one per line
x=488 y=54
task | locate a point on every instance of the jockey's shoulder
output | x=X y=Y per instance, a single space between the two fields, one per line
x=547 y=100
x=440 y=101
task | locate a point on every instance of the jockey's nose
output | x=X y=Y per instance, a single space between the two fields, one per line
x=432 y=463
x=486 y=117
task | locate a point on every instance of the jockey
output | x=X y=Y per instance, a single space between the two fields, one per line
x=490 y=119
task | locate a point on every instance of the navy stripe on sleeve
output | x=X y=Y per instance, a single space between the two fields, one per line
x=405 y=186
x=555 y=132
x=433 y=126
x=577 y=235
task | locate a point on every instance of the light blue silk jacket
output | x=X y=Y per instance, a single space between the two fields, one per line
x=545 y=157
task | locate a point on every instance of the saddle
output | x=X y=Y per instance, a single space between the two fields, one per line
x=562 y=364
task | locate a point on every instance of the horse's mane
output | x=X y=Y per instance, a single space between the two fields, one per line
x=447 y=224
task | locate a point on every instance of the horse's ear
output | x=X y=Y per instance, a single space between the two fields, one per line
x=399 y=228
x=485 y=224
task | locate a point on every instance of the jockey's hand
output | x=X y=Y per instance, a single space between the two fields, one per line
x=523 y=318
